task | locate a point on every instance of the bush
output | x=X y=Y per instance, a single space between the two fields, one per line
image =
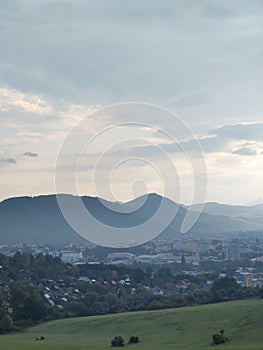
x=40 y=338
x=219 y=338
x=134 y=340
x=117 y=341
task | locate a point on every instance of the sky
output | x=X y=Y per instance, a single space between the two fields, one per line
x=194 y=69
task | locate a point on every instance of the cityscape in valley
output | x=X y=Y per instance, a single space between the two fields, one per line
x=65 y=275
x=243 y=256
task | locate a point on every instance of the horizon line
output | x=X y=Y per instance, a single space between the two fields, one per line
x=127 y=201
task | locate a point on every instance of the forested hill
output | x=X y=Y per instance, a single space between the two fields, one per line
x=34 y=220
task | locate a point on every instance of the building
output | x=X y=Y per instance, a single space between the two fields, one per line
x=120 y=256
x=71 y=257
x=231 y=249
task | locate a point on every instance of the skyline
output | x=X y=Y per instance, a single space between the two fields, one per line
x=62 y=61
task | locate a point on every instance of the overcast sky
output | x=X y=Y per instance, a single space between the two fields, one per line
x=62 y=60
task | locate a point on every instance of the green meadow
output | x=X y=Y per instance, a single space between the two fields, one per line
x=182 y=328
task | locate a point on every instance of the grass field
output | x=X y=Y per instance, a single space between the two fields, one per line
x=184 y=328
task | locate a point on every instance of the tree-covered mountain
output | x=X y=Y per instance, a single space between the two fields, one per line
x=39 y=219
x=249 y=213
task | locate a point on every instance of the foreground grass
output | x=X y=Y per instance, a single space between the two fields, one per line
x=188 y=328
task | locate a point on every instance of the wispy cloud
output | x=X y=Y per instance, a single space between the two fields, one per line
x=9 y=160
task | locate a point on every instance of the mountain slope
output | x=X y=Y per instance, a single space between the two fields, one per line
x=39 y=219
x=253 y=214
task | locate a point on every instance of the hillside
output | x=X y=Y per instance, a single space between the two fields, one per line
x=39 y=220
x=185 y=328
x=248 y=213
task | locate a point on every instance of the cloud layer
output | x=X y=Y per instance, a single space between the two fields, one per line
x=61 y=60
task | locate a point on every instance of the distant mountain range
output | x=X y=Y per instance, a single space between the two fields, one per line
x=35 y=220
x=248 y=213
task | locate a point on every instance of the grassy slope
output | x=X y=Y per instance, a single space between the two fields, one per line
x=183 y=328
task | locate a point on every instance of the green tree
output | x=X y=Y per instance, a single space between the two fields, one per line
x=227 y=283
x=76 y=308
x=6 y=324
x=34 y=307
x=27 y=301
x=138 y=275
x=216 y=296
x=165 y=273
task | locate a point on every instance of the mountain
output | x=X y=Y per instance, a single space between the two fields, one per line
x=246 y=213
x=35 y=220
x=207 y=223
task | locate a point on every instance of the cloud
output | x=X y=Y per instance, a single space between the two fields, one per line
x=147 y=51
x=43 y=120
x=245 y=152
x=9 y=161
x=223 y=139
x=209 y=144
x=249 y=132
x=201 y=60
x=12 y=99
x=30 y=154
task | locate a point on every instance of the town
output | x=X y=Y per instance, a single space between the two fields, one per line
x=196 y=255
x=40 y=282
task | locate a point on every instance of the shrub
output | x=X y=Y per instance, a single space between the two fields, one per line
x=117 y=341
x=40 y=338
x=219 y=338
x=134 y=340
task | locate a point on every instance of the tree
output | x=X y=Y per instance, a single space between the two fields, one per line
x=76 y=308
x=27 y=301
x=216 y=296
x=165 y=273
x=227 y=283
x=113 y=303
x=138 y=275
x=34 y=307
x=6 y=324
